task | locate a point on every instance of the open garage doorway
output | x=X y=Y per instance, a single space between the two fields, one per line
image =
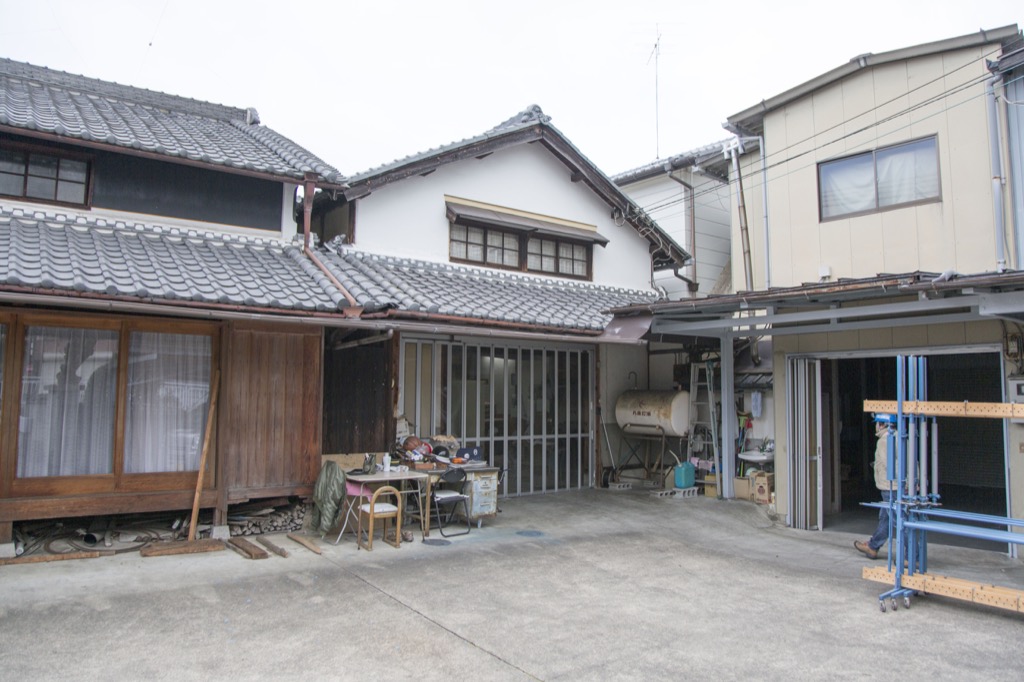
x=972 y=459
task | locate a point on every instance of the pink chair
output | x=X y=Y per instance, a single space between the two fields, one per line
x=355 y=495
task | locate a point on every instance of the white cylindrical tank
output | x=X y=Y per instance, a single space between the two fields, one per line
x=654 y=412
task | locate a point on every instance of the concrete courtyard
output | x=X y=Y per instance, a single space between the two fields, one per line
x=594 y=585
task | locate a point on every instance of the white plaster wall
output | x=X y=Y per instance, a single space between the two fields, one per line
x=407 y=218
x=665 y=200
x=869 y=110
x=620 y=368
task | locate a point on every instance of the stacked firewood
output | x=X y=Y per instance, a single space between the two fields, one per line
x=261 y=518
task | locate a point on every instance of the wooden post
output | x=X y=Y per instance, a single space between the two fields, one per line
x=202 y=458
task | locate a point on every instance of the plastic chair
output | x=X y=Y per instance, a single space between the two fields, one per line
x=386 y=512
x=449 y=493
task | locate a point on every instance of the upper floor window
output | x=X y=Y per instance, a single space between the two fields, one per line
x=890 y=177
x=45 y=176
x=511 y=239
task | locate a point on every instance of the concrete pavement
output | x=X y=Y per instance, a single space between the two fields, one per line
x=575 y=586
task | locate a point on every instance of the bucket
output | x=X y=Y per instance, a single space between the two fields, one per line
x=684 y=475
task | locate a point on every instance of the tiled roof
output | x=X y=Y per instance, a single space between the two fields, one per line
x=709 y=153
x=532 y=115
x=47 y=251
x=381 y=283
x=39 y=99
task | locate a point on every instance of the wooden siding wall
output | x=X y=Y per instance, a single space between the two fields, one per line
x=270 y=431
x=359 y=398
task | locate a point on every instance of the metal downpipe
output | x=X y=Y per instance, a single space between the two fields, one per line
x=995 y=151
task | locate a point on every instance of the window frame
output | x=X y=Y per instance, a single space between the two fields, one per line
x=61 y=155
x=118 y=480
x=873 y=154
x=523 y=237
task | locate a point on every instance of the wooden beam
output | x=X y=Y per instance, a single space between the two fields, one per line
x=305 y=542
x=202 y=458
x=931 y=408
x=956 y=588
x=280 y=551
x=247 y=549
x=41 y=558
x=182 y=547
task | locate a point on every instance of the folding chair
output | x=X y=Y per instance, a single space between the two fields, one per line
x=449 y=493
x=355 y=495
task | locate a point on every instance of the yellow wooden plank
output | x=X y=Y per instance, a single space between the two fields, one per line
x=933 y=408
x=956 y=588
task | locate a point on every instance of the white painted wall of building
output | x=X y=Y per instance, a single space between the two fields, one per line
x=665 y=200
x=407 y=218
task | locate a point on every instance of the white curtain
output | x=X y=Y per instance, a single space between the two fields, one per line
x=69 y=384
x=847 y=186
x=907 y=173
x=168 y=396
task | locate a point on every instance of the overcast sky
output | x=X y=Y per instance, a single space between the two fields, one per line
x=363 y=83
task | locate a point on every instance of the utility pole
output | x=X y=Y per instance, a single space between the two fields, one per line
x=655 y=53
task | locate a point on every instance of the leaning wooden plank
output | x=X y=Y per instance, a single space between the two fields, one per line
x=280 y=551
x=182 y=547
x=248 y=549
x=305 y=542
x=202 y=459
x=40 y=558
x=949 y=409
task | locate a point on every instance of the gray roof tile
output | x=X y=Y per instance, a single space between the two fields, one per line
x=66 y=105
x=381 y=283
x=51 y=251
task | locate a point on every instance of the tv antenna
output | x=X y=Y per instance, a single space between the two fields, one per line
x=655 y=53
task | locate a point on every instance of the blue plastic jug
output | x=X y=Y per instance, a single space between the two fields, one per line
x=684 y=475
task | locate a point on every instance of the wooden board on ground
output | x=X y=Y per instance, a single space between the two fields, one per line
x=40 y=558
x=305 y=542
x=247 y=549
x=182 y=547
x=280 y=551
x=956 y=588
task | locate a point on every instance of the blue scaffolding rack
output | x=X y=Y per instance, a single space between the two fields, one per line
x=916 y=509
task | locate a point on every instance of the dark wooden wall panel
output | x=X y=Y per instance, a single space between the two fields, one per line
x=358 y=398
x=273 y=398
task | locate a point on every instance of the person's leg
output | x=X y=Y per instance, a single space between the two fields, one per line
x=881 y=533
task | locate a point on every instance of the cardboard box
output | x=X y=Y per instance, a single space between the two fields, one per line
x=743 y=488
x=710 y=485
x=764 y=486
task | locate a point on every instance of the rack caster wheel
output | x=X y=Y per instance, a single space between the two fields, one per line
x=881 y=605
x=906 y=602
x=894 y=605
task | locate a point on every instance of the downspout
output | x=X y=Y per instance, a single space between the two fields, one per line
x=995 y=147
x=691 y=242
x=308 y=189
x=748 y=270
x=764 y=202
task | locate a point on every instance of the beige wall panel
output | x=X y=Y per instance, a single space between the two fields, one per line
x=936 y=237
x=843 y=341
x=838 y=246
x=984 y=332
x=867 y=250
x=829 y=114
x=899 y=240
x=807 y=236
x=910 y=337
x=875 y=338
x=926 y=86
x=946 y=335
x=890 y=83
x=858 y=129
x=783 y=345
x=813 y=343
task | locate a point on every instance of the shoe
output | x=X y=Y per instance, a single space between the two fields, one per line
x=865 y=549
